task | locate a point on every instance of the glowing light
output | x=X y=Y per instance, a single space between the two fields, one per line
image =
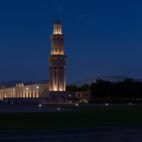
x=37 y=87
x=57 y=32
x=57 y=29
x=57 y=53
x=61 y=89
x=76 y=105
x=55 y=89
x=106 y=104
x=58 y=109
x=40 y=105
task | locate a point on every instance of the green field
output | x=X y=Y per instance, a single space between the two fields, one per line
x=97 y=116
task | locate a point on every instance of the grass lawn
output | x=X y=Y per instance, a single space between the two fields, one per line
x=98 y=116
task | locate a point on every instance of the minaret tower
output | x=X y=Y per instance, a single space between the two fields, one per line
x=57 y=60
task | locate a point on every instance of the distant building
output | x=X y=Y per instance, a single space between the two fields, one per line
x=55 y=90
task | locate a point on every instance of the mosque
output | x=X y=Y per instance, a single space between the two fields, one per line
x=55 y=90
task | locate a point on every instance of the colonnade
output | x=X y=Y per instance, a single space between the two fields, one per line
x=20 y=91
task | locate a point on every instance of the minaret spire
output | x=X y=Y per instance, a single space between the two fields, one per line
x=57 y=27
x=57 y=60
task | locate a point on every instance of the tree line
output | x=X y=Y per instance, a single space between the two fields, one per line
x=112 y=91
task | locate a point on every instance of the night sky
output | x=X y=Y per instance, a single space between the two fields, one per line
x=102 y=37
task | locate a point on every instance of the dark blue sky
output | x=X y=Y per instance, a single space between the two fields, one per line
x=102 y=37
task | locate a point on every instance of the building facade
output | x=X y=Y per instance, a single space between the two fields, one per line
x=56 y=86
x=24 y=91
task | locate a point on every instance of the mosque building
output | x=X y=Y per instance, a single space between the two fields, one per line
x=55 y=90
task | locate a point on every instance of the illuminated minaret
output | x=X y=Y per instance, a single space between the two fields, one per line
x=57 y=60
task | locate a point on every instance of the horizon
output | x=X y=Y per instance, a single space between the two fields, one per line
x=88 y=80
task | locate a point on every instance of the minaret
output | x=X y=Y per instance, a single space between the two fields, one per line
x=57 y=60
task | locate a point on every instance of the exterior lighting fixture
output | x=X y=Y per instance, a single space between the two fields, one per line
x=106 y=104
x=40 y=105
x=58 y=109
x=76 y=105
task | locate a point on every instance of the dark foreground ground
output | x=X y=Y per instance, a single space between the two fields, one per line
x=98 y=134
x=80 y=117
x=97 y=123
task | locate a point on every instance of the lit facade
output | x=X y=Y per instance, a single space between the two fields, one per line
x=57 y=61
x=24 y=91
x=57 y=74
